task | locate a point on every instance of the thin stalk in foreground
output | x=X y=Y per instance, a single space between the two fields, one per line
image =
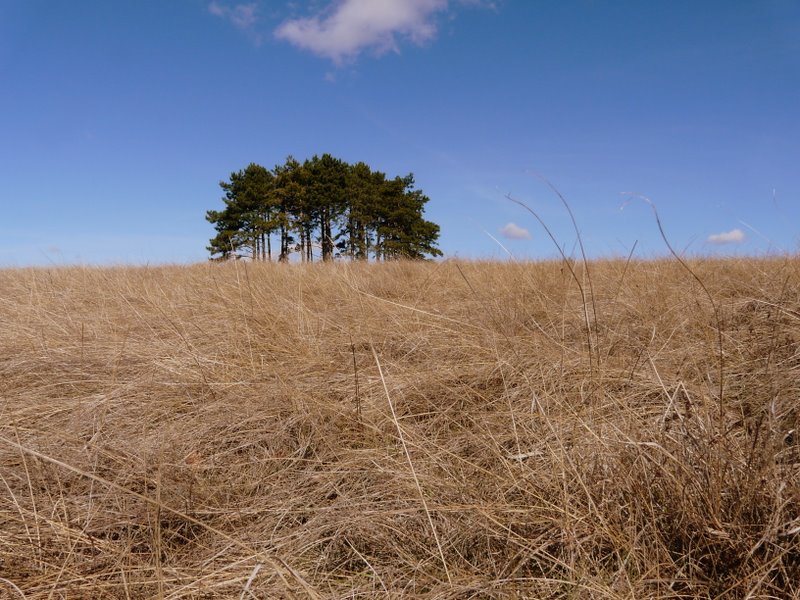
x=411 y=465
x=571 y=271
x=583 y=254
x=707 y=293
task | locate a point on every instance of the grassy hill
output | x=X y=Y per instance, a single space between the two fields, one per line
x=443 y=430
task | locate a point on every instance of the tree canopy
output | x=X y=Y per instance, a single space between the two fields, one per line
x=322 y=207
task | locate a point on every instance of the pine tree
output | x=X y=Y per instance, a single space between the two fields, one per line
x=326 y=188
x=402 y=232
x=245 y=224
x=289 y=195
x=363 y=193
x=349 y=208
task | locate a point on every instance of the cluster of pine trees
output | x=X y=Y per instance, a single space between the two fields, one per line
x=322 y=204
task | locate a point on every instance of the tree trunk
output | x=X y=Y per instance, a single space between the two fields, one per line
x=325 y=234
x=284 y=255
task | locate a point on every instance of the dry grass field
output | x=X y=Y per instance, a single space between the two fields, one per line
x=448 y=430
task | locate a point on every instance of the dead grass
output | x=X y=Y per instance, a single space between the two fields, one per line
x=447 y=430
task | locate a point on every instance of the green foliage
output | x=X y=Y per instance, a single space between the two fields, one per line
x=323 y=203
x=249 y=216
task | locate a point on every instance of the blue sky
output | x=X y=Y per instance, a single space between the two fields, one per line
x=119 y=118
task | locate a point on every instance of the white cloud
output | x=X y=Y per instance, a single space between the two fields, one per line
x=734 y=236
x=349 y=27
x=243 y=16
x=512 y=231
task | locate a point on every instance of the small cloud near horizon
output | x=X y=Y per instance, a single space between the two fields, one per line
x=734 y=236
x=349 y=27
x=512 y=231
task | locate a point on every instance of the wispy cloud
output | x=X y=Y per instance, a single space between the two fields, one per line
x=243 y=16
x=512 y=231
x=734 y=236
x=349 y=27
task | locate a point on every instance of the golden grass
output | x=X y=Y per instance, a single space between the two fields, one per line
x=406 y=430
